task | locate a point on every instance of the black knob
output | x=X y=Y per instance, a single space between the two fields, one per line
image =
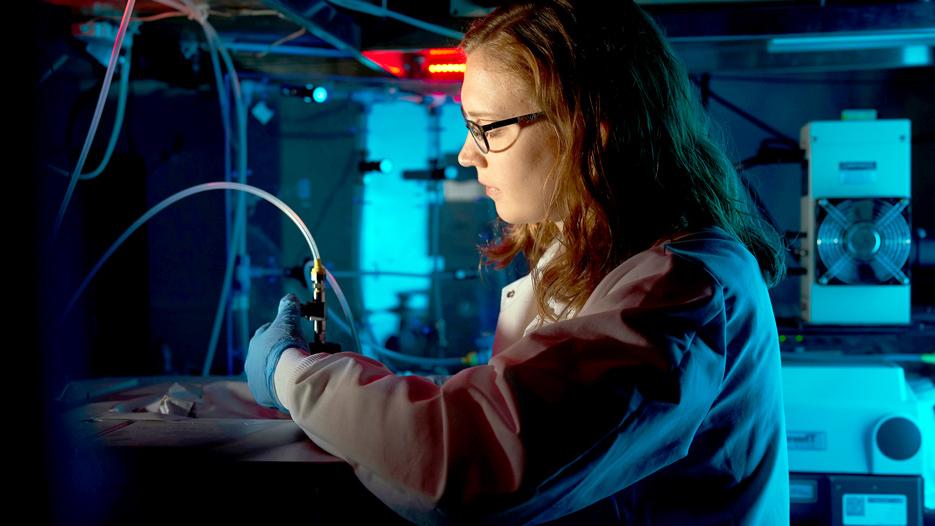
x=899 y=438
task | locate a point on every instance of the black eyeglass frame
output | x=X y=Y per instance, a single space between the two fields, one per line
x=484 y=128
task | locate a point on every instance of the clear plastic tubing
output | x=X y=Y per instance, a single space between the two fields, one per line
x=345 y=308
x=101 y=99
x=118 y=120
x=165 y=203
x=417 y=360
x=377 y=350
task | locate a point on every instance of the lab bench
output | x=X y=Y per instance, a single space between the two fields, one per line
x=195 y=450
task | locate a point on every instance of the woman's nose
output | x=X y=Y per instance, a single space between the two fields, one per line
x=469 y=154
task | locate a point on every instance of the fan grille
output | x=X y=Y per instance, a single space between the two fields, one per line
x=862 y=241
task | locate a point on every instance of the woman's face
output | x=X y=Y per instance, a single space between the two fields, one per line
x=514 y=174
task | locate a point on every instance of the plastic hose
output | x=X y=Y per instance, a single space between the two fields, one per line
x=118 y=120
x=222 y=185
x=102 y=98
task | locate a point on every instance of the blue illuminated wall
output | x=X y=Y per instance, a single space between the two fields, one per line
x=395 y=215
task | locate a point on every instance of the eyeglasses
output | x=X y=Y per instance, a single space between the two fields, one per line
x=501 y=139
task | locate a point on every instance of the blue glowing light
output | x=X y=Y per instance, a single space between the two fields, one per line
x=386 y=166
x=320 y=94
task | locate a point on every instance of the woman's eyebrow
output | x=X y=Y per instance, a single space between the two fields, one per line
x=478 y=115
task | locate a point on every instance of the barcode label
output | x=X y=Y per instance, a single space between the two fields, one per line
x=875 y=510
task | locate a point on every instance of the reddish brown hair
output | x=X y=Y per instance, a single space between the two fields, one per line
x=635 y=161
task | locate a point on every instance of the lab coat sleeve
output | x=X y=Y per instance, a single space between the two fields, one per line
x=640 y=365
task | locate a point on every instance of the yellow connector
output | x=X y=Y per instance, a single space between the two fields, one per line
x=318 y=297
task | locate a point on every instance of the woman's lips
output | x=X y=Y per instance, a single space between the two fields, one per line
x=489 y=189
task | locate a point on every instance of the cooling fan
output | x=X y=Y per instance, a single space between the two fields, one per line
x=862 y=241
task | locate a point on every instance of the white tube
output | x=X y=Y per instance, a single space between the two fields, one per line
x=419 y=360
x=235 y=238
x=182 y=195
x=233 y=233
x=222 y=93
x=118 y=119
x=199 y=13
x=346 y=308
x=376 y=350
x=239 y=222
x=102 y=98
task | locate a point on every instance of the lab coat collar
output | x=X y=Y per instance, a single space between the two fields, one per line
x=518 y=313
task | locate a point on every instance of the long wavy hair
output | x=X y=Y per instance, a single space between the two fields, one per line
x=635 y=162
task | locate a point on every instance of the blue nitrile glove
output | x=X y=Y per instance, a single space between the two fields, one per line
x=267 y=346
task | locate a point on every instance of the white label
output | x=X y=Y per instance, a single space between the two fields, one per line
x=875 y=510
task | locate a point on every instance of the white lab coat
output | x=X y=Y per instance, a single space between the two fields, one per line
x=518 y=315
x=661 y=397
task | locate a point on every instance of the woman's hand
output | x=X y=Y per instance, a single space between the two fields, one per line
x=266 y=347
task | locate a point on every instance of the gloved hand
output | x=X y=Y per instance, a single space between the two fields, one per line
x=267 y=346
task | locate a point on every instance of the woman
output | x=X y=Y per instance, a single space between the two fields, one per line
x=635 y=374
